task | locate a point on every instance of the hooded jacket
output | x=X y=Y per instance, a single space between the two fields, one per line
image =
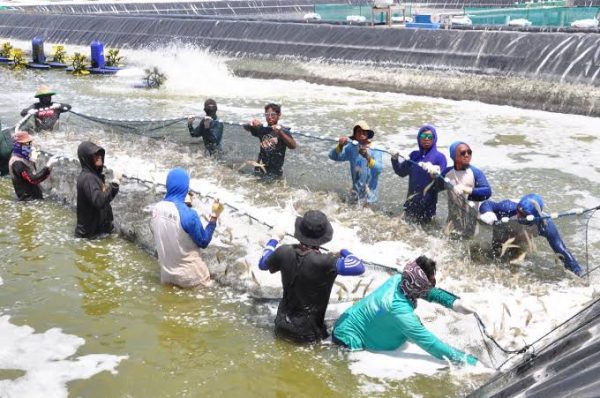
x=420 y=206
x=94 y=213
x=24 y=174
x=179 y=235
x=545 y=227
x=365 y=175
x=385 y=319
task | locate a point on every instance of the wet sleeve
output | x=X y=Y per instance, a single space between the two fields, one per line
x=217 y=129
x=401 y=169
x=376 y=163
x=190 y=222
x=274 y=261
x=348 y=264
x=339 y=154
x=255 y=131
x=64 y=108
x=482 y=189
x=197 y=131
x=409 y=325
x=21 y=169
x=441 y=296
x=24 y=111
x=550 y=231
x=267 y=251
x=504 y=208
x=94 y=194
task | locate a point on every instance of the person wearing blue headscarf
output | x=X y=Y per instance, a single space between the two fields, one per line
x=179 y=234
x=468 y=186
x=528 y=211
x=420 y=206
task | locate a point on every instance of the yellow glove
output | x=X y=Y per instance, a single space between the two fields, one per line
x=188 y=199
x=217 y=209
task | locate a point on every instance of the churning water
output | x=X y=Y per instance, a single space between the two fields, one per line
x=93 y=314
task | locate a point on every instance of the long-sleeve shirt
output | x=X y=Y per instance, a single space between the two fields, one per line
x=211 y=136
x=26 y=178
x=365 y=174
x=545 y=227
x=385 y=319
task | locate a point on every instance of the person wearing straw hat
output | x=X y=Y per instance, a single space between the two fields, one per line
x=421 y=202
x=307 y=276
x=210 y=128
x=23 y=171
x=179 y=235
x=274 y=140
x=45 y=112
x=528 y=211
x=365 y=163
x=385 y=319
x=469 y=188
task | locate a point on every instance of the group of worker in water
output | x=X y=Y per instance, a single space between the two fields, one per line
x=382 y=320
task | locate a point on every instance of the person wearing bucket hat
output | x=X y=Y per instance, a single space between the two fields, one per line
x=528 y=211
x=210 y=128
x=274 y=140
x=385 y=319
x=421 y=202
x=467 y=188
x=23 y=171
x=365 y=163
x=307 y=276
x=45 y=112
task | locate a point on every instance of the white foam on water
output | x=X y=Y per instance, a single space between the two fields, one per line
x=47 y=359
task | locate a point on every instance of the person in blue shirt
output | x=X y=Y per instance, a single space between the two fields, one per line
x=385 y=319
x=469 y=188
x=365 y=163
x=210 y=128
x=422 y=165
x=307 y=276
x=528 y=212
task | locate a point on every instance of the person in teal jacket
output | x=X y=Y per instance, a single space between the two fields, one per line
x=365 y=163
x=385 y=319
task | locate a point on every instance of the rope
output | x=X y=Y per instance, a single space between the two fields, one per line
x=381 y=267
x=556 y=328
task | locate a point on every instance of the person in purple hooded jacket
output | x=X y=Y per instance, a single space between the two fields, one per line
x=422 y=166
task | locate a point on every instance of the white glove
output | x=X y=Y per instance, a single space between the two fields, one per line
x=32 y=112
x=488 y=217
x=52 y=161
x=34 y=155
x=462 y=307
x=461 y=189
x=430 y=168
x=117 y=176
x=279 y=232
x=56 y=106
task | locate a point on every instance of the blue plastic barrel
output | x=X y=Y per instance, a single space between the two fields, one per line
x=37 y=51
x=97 y=54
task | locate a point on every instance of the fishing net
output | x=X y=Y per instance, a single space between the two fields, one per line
x=309 y=168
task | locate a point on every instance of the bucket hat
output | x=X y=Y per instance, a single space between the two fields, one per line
x=363 y=125
x=43 y=90
x=313 y=229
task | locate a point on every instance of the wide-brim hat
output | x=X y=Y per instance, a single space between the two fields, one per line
x=314 y=229
x=22 y=137
x=43 y=91
x=363 y=125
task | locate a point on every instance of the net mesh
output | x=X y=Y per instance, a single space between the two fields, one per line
x=304 y=168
